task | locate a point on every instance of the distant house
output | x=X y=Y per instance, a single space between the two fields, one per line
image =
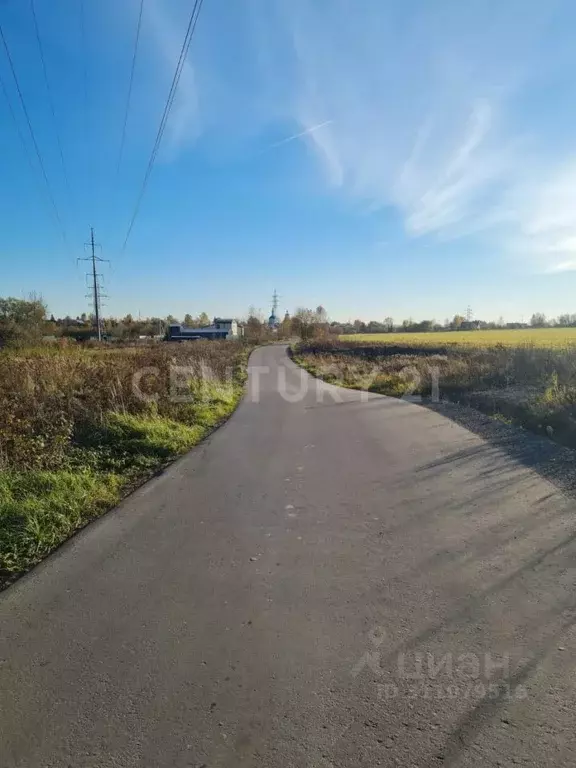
x=221 y=328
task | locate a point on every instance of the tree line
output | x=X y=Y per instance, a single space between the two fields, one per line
x=457 y=323
x=26 y=321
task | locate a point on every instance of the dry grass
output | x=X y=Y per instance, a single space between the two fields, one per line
x=75 y=430
x=534 y=386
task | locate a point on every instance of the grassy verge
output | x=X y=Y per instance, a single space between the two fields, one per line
x=79 y=430
x=531 y=386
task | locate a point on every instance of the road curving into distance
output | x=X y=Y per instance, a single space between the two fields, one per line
x=331 y=580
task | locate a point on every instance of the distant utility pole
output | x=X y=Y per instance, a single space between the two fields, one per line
x=96 y=289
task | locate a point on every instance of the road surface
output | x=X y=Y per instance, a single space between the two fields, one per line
x=331 y=580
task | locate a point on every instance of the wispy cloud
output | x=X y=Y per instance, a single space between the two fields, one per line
x=433 y=202
x=165 y=34
x=299 y=135
x=439 y=112
x=543 y=214
x=428 y=117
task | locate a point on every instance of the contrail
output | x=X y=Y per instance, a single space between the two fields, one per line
x=299 y=135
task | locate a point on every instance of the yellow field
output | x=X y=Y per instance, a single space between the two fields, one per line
x=541 y=337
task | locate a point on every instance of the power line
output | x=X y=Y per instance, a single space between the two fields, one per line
x=169 y=102
x=167 y=108
x=20 y=134
x=132 y=70
x=18 y=129
x=32 y=135
x=15 y=121
x=49 y=92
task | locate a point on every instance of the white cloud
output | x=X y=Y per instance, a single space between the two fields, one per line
x=440 y=191
x=422 y=98
x=166 y=35
x=543 y=213
x=419 y=108
x=301 y=134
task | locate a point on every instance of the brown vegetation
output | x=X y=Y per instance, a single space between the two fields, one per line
x=528 y=385
x=80 y=426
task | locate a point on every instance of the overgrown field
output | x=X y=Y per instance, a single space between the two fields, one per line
x=530 y=385
x=80 y=427
x=538 y=337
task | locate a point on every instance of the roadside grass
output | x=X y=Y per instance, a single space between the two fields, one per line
x=76 y=435
x=530 y=386
x=39 y=510
x=150 y=436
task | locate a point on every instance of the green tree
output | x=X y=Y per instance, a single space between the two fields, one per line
x=285 y=329
x=254 y=330
x=305 y=323
x=566 y=321
x=22 y=321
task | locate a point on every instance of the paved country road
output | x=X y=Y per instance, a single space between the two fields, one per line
x=331 y=580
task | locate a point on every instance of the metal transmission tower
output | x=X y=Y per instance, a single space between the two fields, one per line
x=96 y=289
x=273 y=321
x=469 y=313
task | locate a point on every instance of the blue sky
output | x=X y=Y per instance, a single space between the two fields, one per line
x=379 y=158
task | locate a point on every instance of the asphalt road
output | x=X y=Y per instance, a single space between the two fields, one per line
x=331 y=580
